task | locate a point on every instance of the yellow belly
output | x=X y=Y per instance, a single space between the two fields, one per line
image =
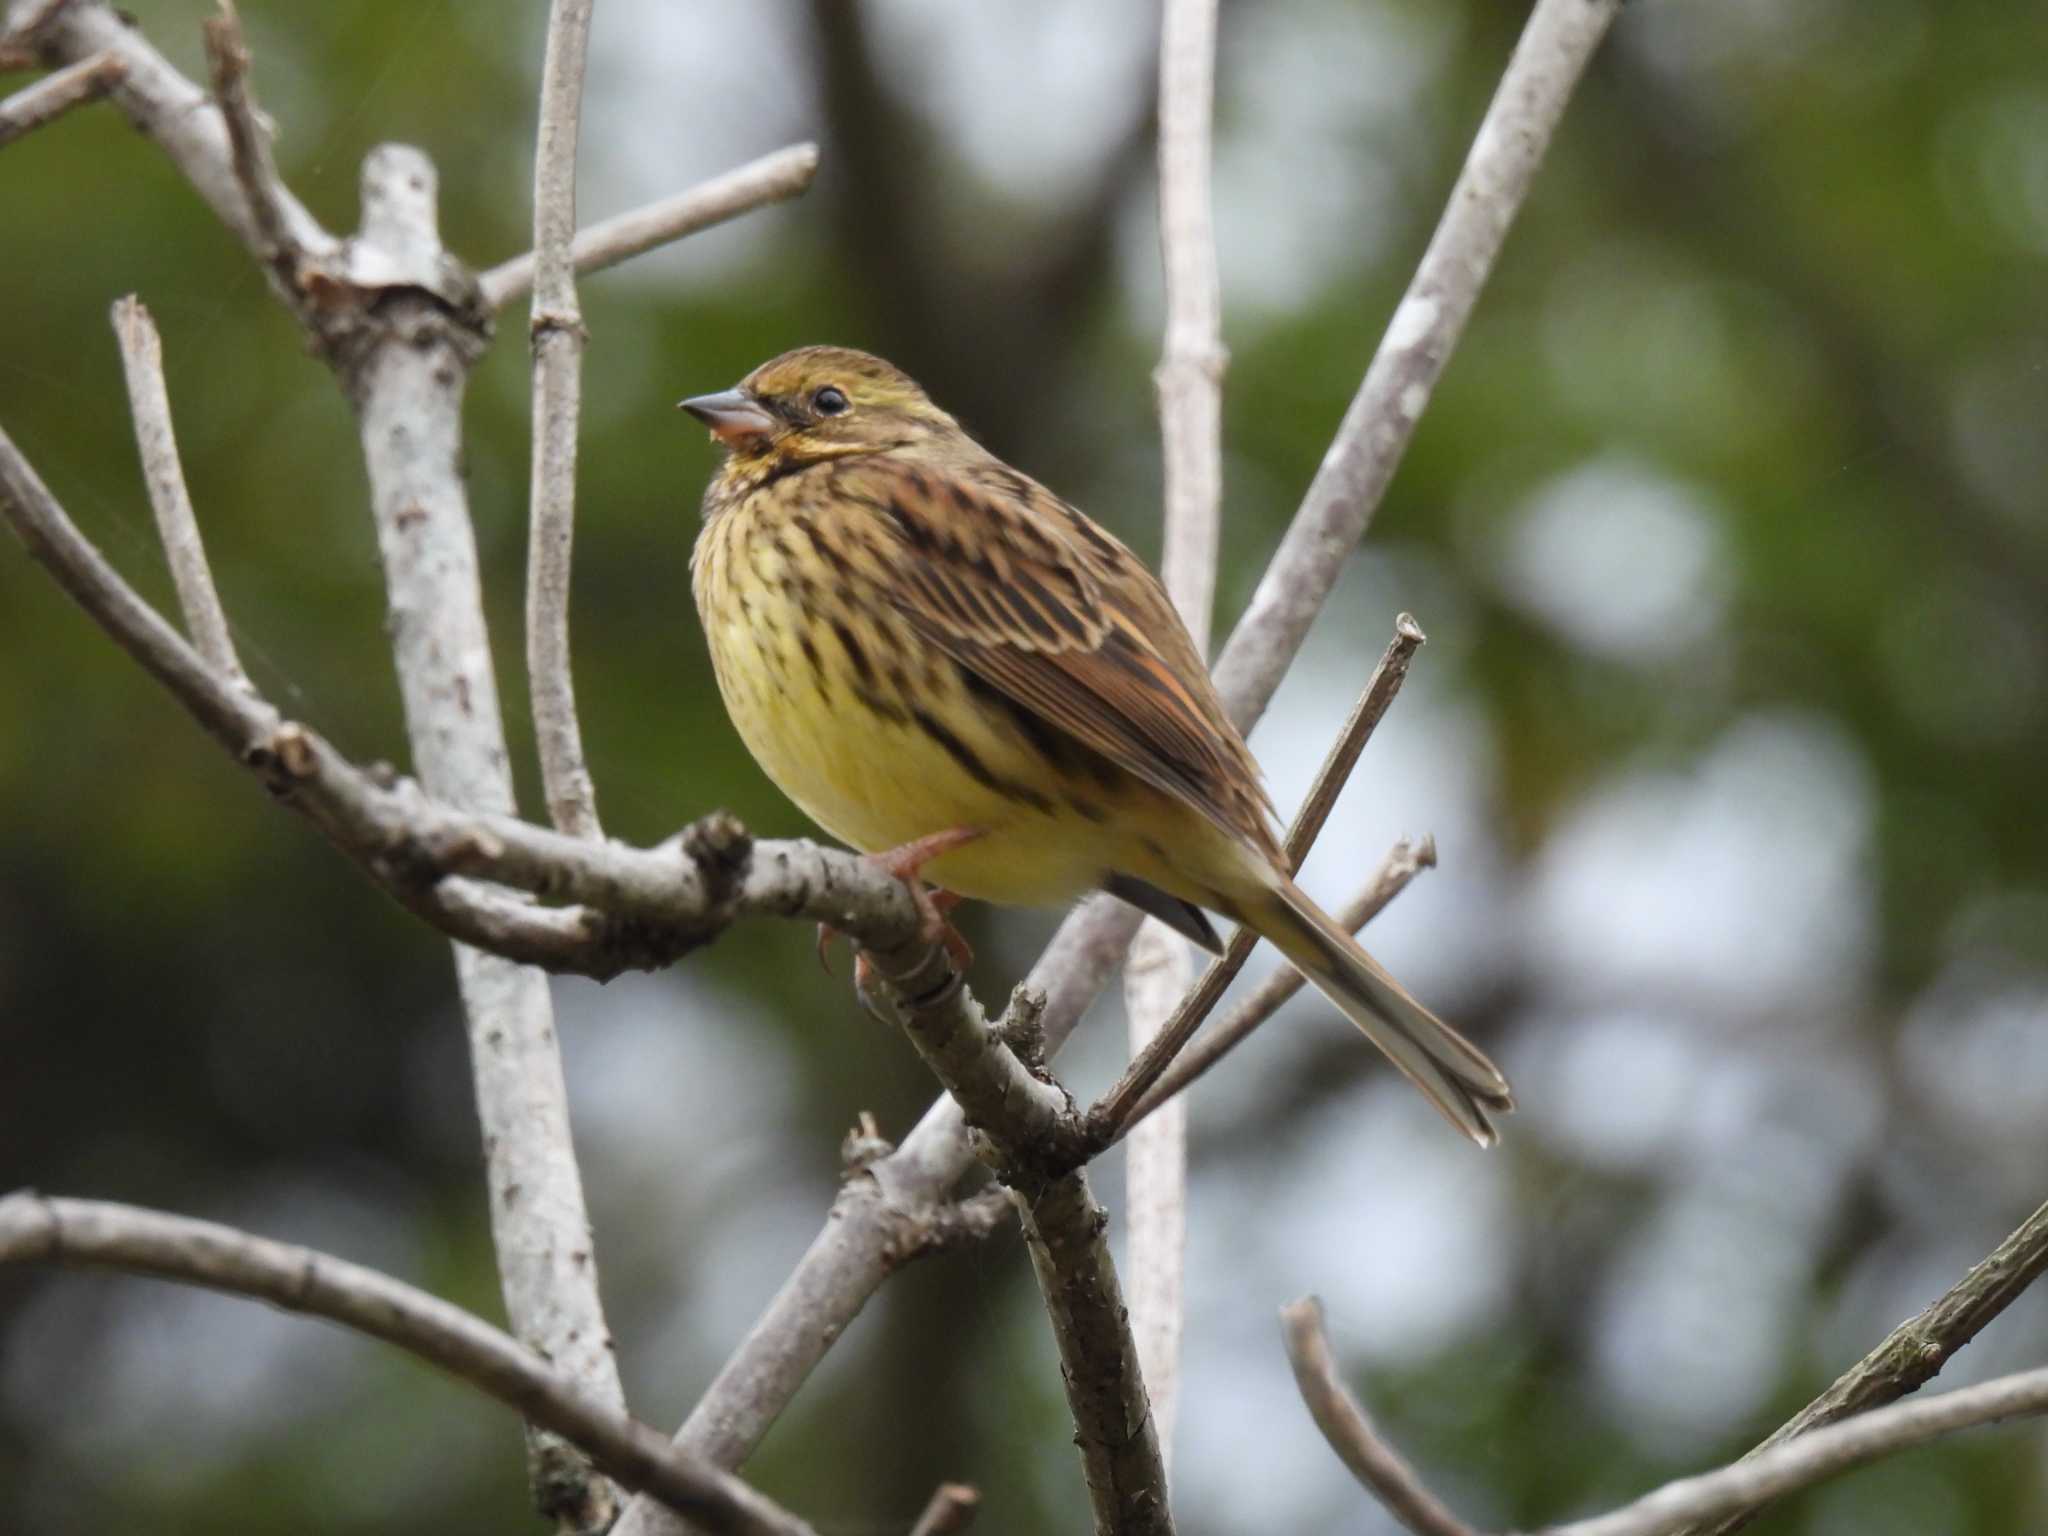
x=875 y=735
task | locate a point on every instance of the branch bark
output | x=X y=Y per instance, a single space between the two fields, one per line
x=149 y=401
x=773 y=178
x=1189 y=380
x=93 y=1233
x=871 y=1228
x=1527 y=105
x=408 y=389
x=558 y=341
x=952 y=1509
x=1918 y=1348
x=1817 y=1455
x=1349 y=1429
x=49 y=99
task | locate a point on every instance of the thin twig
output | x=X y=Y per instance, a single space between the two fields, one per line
x=773 y=178
x=1112 y=1115
x=952 y=1509
x=1189 y=380
x=1556 y=43
x=1404 y=861
x=51 y=97
x=1350 y=1431
x=176 y=114
x=149 y=400
x=95 y=1233
x=227 y=52
x=1820 y=1454
x=558 y=340
x=1918 y=1348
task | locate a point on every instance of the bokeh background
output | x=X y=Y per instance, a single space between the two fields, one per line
x=1727 y=528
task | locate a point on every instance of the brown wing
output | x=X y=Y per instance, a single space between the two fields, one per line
x=1036 y=600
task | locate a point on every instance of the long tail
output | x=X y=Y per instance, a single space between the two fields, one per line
x=1447 y=1067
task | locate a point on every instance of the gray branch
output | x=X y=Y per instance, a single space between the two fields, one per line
x=1189 y=380
x=49 y=99
x=1350 y=1431
x=99 y=1234
x=149 y=401
x=408 y=388
x=773 y=178
x=952 y=1509
x=558 y=342
x=1530 y=100
x=1068 y=1234
x=1915 y=1351
x=863 y=1240
x=1818 y=1455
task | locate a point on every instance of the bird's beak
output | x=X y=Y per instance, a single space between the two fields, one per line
x=733 y=419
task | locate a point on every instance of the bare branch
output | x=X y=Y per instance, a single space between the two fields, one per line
x=142 y=360
x=408 y=391
x=1189 y=379
x=101 y=1234
x=263 y=190
x=1350 y=1430
x=558 y=341
x=1156 y=1183
x=952 y=1509
x=773 y=178
x=50 y=98
x=1818 y=1455
x=1068 y=1234
x=1915 y=1351
x=1404 y=861
x=1558 y=40
x=1112 y=1116
x=174 y=112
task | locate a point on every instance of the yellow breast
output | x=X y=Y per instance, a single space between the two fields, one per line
x=872 y=730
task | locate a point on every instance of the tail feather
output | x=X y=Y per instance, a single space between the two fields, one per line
x=1452 y=1072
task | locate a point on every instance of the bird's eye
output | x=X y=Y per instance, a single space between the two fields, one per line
x=829 y=401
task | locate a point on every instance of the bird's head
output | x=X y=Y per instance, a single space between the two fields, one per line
x=818 y=403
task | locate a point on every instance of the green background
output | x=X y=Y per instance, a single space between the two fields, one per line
x=1727 y=526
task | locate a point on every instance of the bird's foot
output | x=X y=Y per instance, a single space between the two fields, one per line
x=932 y=905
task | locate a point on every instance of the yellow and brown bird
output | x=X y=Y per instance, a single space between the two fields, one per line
x=946 y=665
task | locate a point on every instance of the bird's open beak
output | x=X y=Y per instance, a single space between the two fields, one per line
x=733 y=419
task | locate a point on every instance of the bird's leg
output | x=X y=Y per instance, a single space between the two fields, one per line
x=904 y=862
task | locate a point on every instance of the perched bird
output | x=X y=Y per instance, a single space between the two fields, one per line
x=955 y=671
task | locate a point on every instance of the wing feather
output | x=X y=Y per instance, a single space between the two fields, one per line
x=1059 y=617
